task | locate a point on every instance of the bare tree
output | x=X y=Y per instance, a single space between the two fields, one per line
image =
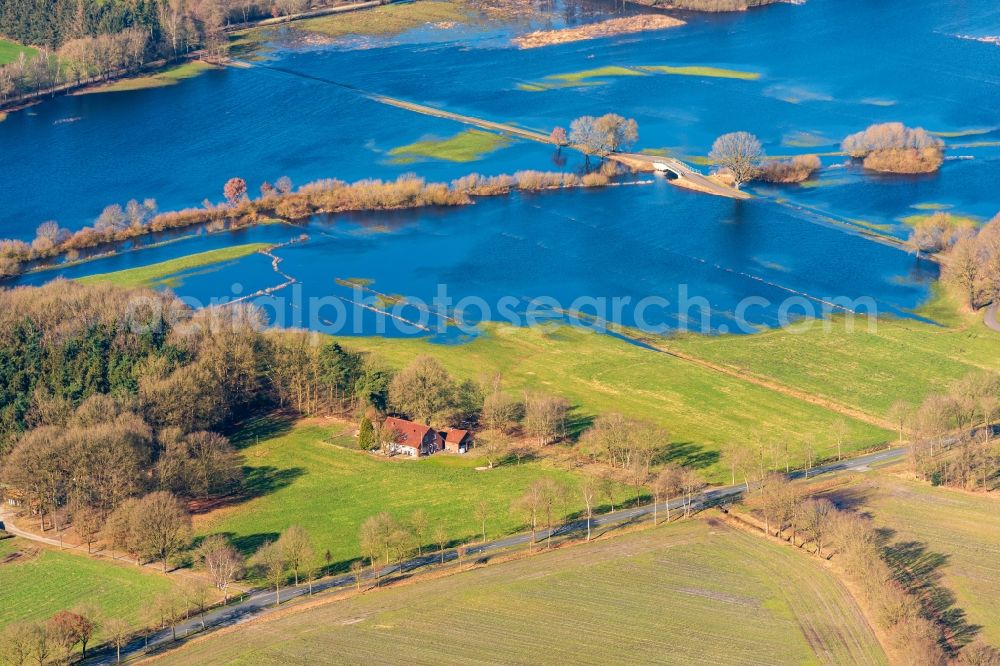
x=161 y=526
x=691 y=484
x=900 y=413
x=270 y=560
x=118 y=630
x=223 y=563
x=441 y=540
x=588 y=489
x=840 y=429
x=668 y=484
x=553 y=495
x=603 y=135
x=529 y=505
x=492 y=445
x=814 y=519
x=501 y=412
x=170 y=607
x=357 y=570
x=545 y=417
x=297 y=547
x=16 y=643
x=483 y=511
x=87 y=523
x=740 y=153
x=197 y=595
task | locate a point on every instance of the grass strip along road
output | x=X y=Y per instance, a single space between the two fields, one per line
x=263 y=601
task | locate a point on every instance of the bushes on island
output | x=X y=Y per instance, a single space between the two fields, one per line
x=795 y=170
x=895 y=148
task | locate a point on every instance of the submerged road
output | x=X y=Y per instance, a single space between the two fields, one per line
x=261 y=602
x=686 y=176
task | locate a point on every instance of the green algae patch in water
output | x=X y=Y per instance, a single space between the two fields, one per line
x=931 y=206
x=704 y=71
x=467 y=146
x=595 y=73
x=827 y=182
x=168 y=77
x=584 y=77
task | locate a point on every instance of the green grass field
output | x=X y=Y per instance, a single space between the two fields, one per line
x=963 y=527
x=165 y=273
x=388 y=20
x=696 y=592
x=466 y=146
x=701 y=408
x=168 y=77
x=44 y=581
x=900 y=359
x=307 y=476
x=9 y=51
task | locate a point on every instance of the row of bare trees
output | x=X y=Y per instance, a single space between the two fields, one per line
x=136 y=219
x=786 y=509
x=952 y=433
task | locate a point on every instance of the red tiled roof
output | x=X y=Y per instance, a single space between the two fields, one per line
x=455 y=436
x=410 y=433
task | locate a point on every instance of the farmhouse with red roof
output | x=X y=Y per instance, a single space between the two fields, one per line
x=457 y=441
x=412 y=439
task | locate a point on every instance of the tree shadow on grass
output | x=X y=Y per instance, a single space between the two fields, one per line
x=253 y=430
x=249 y=543
x=920 y=571
x=850 y=498
x=267 y=479
x=577 y=423
x=687 y=454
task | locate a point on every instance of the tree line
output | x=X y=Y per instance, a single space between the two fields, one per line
x=892 y=593
x=108 y=395
x=89 y=39
x=136 y=219
x=952 y=441
x=971 y=258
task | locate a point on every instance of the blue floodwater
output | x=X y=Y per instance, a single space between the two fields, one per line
x=827 y=68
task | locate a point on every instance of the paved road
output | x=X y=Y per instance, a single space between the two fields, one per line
x=262 y=601
x=991 y=317
x=687 y=176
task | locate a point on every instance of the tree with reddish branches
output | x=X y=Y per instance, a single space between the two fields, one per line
x=558 y=137
x=235 y=190
x=71 y=628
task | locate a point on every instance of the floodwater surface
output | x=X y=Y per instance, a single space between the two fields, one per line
x=803 y=76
